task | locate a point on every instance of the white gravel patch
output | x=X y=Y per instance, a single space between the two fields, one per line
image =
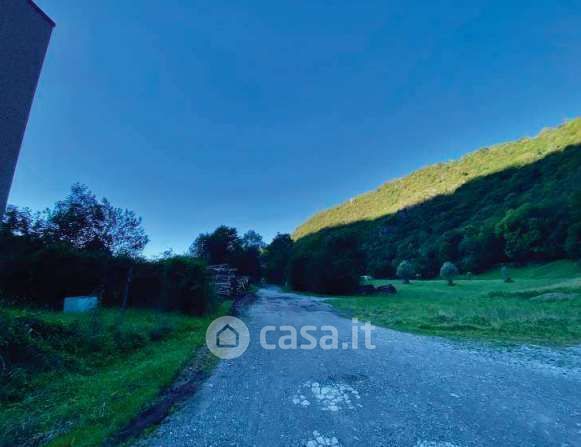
x=435 y=444
x=321 y=440
x=329 y=397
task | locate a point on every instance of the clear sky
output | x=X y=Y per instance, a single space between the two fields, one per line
x=258 y=114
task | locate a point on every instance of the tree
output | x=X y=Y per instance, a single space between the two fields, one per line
x=276 y=258
x=88 y=224
x=17 y=222
x=81 y=222
x=505 y=274
x=405 y=271
x=449 y=271
x=224 y=246
x=534 y=232
x=251 y=239
x=480 y=248
x=219 y=247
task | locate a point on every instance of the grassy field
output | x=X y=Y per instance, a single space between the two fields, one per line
x=542 y=305
x=82 y=377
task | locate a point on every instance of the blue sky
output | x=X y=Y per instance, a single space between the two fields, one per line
x=258 y=114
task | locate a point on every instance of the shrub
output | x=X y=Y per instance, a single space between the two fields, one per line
x=186 y=286
x=449 y=271
x=405 y=271
x=505 y=274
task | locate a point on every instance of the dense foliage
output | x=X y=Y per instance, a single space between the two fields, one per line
x=449 y=271
x=86 y=247
x=406 y=271
x=332 y=264
x=276 y=257
x=83 y=222
x=225 y=246
x=517 y=202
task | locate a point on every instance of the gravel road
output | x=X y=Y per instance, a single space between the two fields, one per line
x=409 y=391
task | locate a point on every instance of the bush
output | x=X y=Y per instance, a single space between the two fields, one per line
x=405 y=271
x=186 y=286
x=449 y=271
x=505 y=274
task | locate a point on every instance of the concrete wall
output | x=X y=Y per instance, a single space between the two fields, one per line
x=24 y=35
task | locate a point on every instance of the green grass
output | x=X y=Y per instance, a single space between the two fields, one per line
x=544 y=309
x=91 y=395
x=553 y=270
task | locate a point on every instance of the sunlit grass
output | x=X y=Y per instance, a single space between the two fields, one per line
x=544 y=310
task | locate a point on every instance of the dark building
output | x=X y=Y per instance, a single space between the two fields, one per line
x=24 y=35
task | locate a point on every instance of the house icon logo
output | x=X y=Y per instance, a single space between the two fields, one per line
x=227 y=337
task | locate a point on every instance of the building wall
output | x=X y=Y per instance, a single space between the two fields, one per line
x=24 y=35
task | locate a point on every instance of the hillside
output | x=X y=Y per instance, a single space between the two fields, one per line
x=513 y=203
x=443 y=178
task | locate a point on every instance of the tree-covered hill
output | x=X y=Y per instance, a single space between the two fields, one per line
x=516 y=202
x=443 y=178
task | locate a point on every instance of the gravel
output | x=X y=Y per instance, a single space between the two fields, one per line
x=408 y=391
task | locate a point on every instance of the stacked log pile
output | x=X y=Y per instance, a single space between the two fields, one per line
x=243 y=284
x=226 y=281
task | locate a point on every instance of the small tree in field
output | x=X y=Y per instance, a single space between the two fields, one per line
x=405 y=271
x=505 y=274
x=449 y=271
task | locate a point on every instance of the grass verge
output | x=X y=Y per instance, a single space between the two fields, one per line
x=81 y=378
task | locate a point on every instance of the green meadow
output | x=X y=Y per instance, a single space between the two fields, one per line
x=541 y=306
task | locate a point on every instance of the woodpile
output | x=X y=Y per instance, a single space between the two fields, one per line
x=226 y=281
